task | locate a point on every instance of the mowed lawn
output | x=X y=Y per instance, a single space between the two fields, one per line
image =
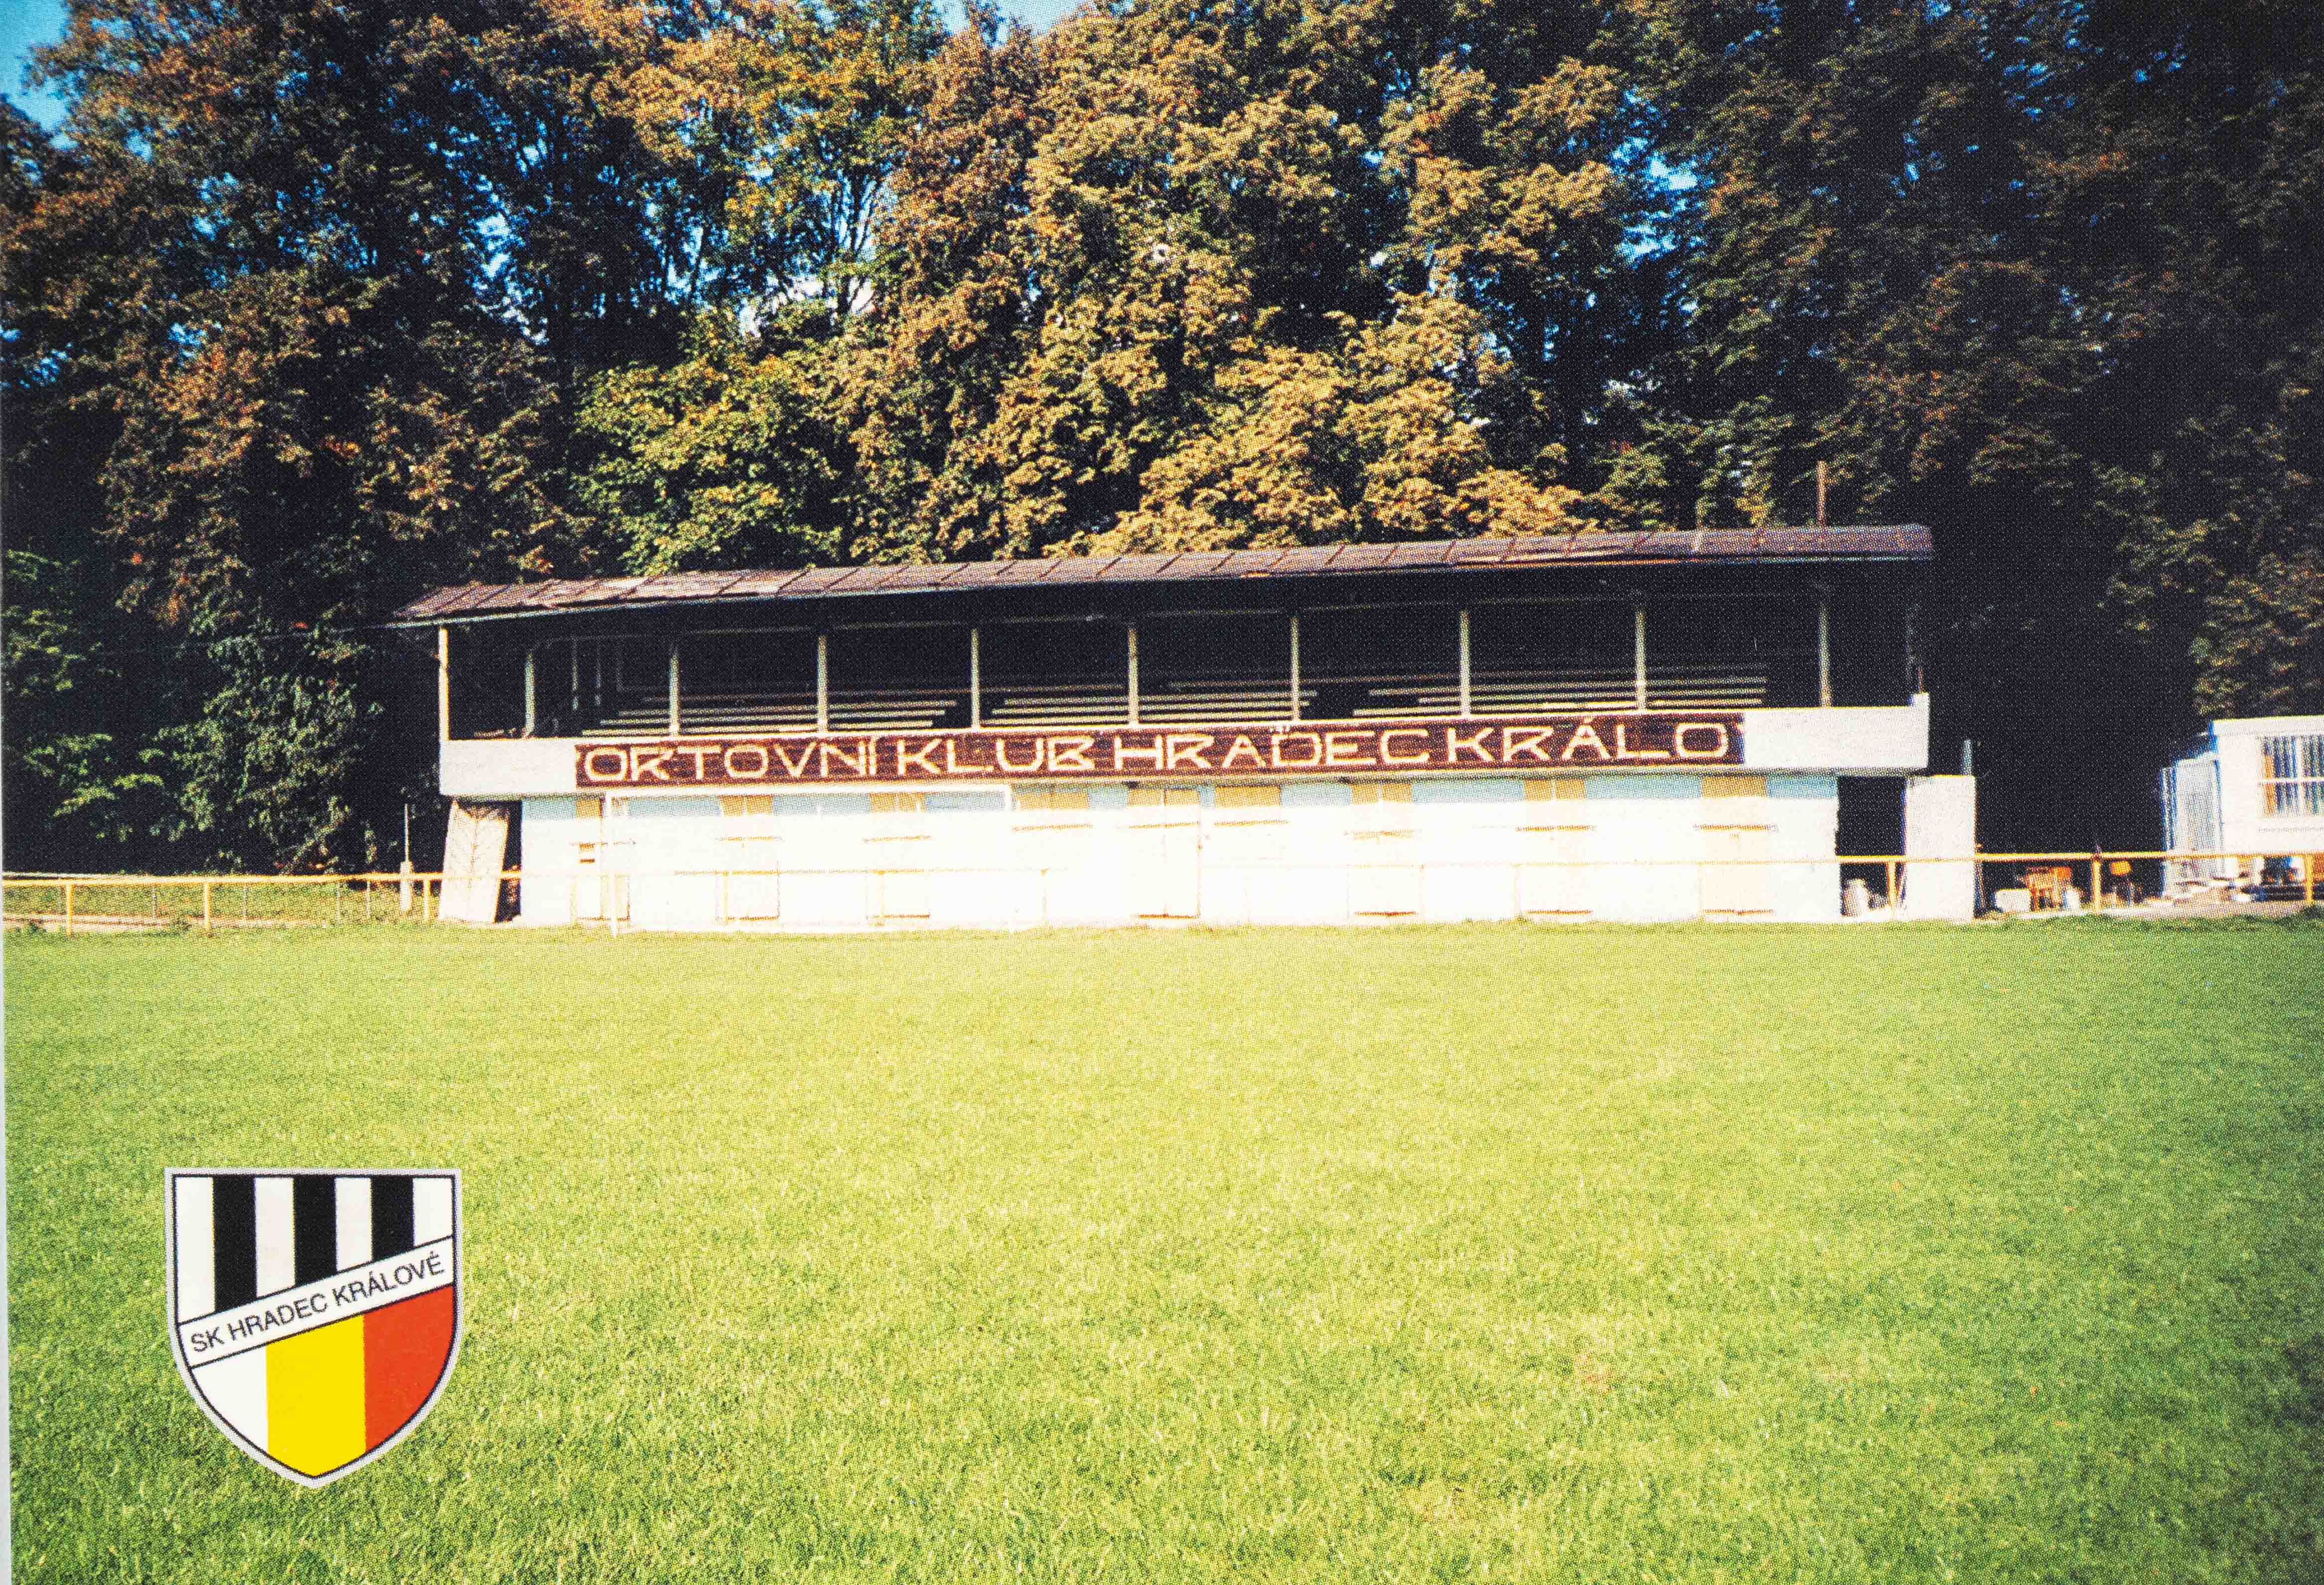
x=1687 y=1254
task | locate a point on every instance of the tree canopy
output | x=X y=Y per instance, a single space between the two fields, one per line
x=312 y=305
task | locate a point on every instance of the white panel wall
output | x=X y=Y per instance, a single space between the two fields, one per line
x=1940 y=822
x=1461 y=848
x=550 y=831
x=505 y=768
x=1805 y=811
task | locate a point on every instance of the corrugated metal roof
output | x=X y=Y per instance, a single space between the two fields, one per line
x=476 y=601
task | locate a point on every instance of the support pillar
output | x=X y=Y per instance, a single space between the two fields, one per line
x=1823 y=649
x=1638 y=654
x=1295 y=666
x=1465 y=710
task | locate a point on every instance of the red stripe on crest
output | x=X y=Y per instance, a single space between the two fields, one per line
x=405 y=1348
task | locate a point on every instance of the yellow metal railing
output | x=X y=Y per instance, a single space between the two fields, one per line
x=212 y=902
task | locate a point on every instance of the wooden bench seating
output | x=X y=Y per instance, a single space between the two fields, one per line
x=1191 y=701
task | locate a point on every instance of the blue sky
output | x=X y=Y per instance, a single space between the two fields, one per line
x=25 y=25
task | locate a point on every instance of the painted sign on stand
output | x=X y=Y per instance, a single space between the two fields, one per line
x=1629 y=739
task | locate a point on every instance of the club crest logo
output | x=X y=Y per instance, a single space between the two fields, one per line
x=315 y=1315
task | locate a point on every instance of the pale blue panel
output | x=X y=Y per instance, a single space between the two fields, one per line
x=1317 y=794
x=825 y=803
x=1482 y=789
x=672 y=808
x=1804 y=786
x=1108 y=796
x=548 y=811
x=982 y=799
x=1642 y=786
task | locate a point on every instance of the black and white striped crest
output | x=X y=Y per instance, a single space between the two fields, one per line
x=315 y=1315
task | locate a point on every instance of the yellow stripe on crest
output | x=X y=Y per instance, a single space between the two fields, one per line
x=315 y=1397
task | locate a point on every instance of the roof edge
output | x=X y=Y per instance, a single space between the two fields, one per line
x=466 y=602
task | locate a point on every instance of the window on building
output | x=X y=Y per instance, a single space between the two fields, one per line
x=1053 y=800
x=487 y=686
x=2291 y=774
x=1871 y=640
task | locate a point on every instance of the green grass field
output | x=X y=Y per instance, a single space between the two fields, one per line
x=1687 y=1254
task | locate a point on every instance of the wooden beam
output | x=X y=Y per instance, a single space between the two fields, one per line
x=975 y=678
x=531 y=689
x=821 y=682
x=443 y=684
x=674 y=728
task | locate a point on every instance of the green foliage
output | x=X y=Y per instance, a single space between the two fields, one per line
x=78 y=781
x=723 y=460
x=2037 y=276
x=782 y=120
x=269 y=273
x=1247 y=280
x=310 y=308
x=267 y=762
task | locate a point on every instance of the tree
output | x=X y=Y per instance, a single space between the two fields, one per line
x=273 y=274
x=311 y=308
x=724 y=459
x=786 y=118
x=2032 y=273
x=1221 y=276
x=2191 y=200
x=788 y=121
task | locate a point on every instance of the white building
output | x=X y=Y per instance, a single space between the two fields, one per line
x=1612 y=727
x=2254 y=787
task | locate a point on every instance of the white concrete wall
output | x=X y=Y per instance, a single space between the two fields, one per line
x=1888 y=740
x=505 y=768
x=1627 y=847
x=1940 y=822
